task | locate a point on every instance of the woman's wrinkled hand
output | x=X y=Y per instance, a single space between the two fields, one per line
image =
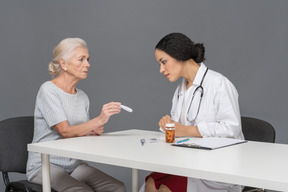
x=97 y=131
x=108 y=110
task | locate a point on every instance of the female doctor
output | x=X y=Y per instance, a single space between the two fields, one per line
x=205 y=104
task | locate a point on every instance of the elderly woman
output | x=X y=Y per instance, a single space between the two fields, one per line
x=205 y=104
x=62 y=111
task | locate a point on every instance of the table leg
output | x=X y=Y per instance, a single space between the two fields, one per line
x=134 y=180
x=45 y=173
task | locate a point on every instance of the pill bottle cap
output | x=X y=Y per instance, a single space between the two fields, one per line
x=170 y=125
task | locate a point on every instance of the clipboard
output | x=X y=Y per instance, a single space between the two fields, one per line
x=209 y=143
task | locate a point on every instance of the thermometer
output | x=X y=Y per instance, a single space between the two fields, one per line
x=126 y=108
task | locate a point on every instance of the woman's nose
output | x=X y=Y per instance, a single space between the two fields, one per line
x=88 y=64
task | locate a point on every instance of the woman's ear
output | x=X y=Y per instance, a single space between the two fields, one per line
x=63 y=64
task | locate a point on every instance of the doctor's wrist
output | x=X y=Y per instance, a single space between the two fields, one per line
x=195 y=131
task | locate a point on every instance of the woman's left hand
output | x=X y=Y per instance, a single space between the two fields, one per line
x=98 y=131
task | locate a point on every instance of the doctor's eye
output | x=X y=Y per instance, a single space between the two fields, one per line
x=164 y=62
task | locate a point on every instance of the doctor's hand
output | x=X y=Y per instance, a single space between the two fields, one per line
x=180 y=130
x=184 y=130
x=108 y=110
x=163 y=121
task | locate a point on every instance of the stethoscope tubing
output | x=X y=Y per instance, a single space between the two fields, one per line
x=201 y=96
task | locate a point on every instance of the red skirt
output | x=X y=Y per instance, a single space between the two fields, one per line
x=174 y=182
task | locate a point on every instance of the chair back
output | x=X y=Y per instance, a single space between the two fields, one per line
x=15 y=134
x=257 y=130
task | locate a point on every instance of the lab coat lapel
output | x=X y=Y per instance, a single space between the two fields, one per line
x=178 y=104
x=197 y=82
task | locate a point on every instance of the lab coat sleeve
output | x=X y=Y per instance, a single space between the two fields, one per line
x=227 y=122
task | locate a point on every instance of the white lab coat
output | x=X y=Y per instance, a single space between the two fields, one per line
x=219 y=116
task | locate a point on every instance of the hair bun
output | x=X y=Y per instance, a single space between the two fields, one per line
x=54 y=69
x=181 y=47
x=201 y=52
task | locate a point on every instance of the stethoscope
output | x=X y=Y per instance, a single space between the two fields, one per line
x=198 y=89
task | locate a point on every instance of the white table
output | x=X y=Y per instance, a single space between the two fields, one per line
x=255 y=164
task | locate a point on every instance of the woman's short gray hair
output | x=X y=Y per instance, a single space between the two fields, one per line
x=64 y=50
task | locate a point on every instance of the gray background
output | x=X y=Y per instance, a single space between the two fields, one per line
x=245 y=40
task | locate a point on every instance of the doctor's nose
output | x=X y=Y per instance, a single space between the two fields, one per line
x=162 y=69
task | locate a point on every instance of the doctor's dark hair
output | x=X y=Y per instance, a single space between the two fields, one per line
x=181 y=47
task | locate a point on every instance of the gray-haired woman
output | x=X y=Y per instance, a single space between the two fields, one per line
x=62 y=111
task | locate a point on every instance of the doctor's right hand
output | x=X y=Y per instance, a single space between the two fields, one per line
x=164 y=120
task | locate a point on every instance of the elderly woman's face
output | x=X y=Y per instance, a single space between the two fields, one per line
x=170 y=67
x=78 y=64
